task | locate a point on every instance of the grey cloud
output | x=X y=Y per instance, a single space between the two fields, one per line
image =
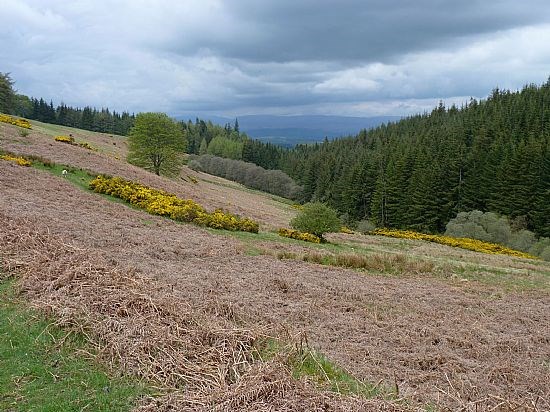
x=354 y=30
x=248 y=56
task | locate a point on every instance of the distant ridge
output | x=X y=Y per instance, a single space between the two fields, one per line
x=292 y=130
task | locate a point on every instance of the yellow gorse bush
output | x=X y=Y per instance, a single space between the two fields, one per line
x=464 y=243
x=4 y=118
x=346 y=230
x=64 y=139
x=159 y=202
x=70 y=140
x=16 y=159
x=86 y=145
x=295 y=234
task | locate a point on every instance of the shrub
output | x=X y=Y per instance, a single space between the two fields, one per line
x=365 y=226
x=545 y=254
x=316 y=218
x=21 y=161
x=23 y=132
x=464 y=243
x=64 y=139
x=346 y=230
x=294 y=234
x=4 y=118
x=248 y=174
x=159 y=202
x=541 y=248
x=70 y=140
x=491 y=227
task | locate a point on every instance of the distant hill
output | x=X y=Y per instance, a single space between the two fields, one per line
x=291 y=130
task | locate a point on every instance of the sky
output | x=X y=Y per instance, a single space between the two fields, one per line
x=283 y=57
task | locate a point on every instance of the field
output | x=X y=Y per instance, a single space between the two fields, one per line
x=216 y=320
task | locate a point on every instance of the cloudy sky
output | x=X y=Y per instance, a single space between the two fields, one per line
x=236 y=57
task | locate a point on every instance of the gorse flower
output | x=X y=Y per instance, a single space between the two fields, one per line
x=464 y=243
x=159 y=202
x=64 y=139
x=16 y=159
x=15 y=121
x=295 y=234
x=70 y=140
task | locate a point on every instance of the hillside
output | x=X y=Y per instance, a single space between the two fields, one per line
x=424 y=327
x=418 y=173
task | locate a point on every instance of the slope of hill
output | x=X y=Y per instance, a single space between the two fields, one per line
x=418 y=173
x=427 y=326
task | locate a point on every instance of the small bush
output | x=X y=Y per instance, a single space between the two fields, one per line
x=294 y=234
x=316 y=218
x=21 y=161
x=271 y=181
x=64 y=139
x=159 y=202
x=365 y=226
x=493 y=228
x=4 y=118
x=23 y=132
x=545 y=254
x=464 y=243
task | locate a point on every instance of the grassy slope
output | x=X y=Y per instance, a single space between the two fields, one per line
x=41 y=370
x=469 y=266
x=389 y=257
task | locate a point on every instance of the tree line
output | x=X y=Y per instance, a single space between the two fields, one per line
x=87 y=118
x=420 y=172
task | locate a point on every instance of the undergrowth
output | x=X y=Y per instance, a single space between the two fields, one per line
x=305 y=362
x=41 y=368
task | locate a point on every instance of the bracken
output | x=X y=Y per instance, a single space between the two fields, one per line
x=159 y=202
x=464 y=243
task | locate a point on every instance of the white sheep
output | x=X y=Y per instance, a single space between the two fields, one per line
x=64 y=173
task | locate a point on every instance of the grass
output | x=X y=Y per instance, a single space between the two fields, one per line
x=78 y=177
x=278 y=201
x=305 y=362
x=54 y=129
x=40 y=369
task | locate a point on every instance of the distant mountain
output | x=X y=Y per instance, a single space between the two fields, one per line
x=292 y=130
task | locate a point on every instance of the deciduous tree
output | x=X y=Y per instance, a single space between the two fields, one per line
x=156 y=143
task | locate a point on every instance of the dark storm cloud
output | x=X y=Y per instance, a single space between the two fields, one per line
x=356 y=30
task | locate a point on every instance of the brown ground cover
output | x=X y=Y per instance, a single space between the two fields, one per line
x=209 y=191
x=178 y=304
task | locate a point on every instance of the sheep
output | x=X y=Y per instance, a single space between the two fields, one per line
x=64 y=173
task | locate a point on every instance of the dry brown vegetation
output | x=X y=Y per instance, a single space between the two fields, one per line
x=185 y=308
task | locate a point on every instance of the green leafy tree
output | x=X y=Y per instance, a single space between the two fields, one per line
x=203 y=149
x=7 y=95
x=316 y=218
x=156 y=143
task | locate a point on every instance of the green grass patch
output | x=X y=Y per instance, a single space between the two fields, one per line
x=55 y=130
x=305 y=362
x=40 y=369
x=78 y=177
